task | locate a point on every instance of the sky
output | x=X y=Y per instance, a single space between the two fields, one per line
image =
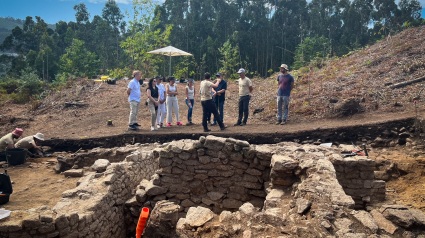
x=52 y=11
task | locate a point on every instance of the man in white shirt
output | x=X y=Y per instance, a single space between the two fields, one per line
x=160 y=116
x=134 y=94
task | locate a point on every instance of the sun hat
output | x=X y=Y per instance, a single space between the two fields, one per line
x=18 y=132
x=284 y=66
x=241 y=70
x=39 y=136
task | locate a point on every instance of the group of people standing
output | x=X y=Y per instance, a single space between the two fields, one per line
x=162 y=100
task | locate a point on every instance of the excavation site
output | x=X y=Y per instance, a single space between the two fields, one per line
x=218 y=186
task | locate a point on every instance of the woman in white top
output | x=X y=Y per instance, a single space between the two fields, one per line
x=190 y=100
x=172 y=103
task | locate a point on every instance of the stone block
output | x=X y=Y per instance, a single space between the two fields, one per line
x=403 y=218
x=214 y=143
x=367 y=175
x=254 y=172
x=264 y=152
x=100 y=165
x=74 y=173
x=32 y=221
x=204 y=159
x=247 y=208
x=153 y=190
x=367 y=220
x=383 y=223
x=283 y=163
x=215 y=195
x=251 y=185
x=378 y=184
x=197 y=216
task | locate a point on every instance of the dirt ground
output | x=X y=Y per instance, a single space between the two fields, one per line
x=109 y=102
x=409 y=188
x=36 y=184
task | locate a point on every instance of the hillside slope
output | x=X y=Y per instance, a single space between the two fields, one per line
x=359 y=83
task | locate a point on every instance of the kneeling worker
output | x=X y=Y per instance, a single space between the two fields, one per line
x=29 y=143
x=8 y=142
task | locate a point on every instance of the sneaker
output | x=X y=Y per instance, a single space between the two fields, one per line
x=223 y=128
x=169 y=124
x=132 y=127
x=237 y=124
x=162 y=125
x=136 y=124
x=207 y=130
x=214 y=124
x=158 y=126
x=278 y=122
x=243 y=124
x=189 y=123
x=179 y=123
x=153 y=128
x=283 y=122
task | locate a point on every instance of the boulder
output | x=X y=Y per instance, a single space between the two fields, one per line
x=215 y=195
x=399 y=215
x=63 y=164
x=367 y=220
x=196 y=217
x=153 y=190
x=283 y=163
x=74 y=173
x=303 y=205
x=162 y=220
x=141 y=195
x=100 y=165
x=383 y=223
x=247 y=208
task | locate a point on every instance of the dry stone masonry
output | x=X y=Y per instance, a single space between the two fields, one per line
x=222 y=187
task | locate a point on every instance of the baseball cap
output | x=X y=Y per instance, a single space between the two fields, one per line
x=241 y=70
x=219 y=74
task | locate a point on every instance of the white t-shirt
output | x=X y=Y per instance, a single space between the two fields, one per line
x=190 y=92
x=161 y=91
x=135 y=93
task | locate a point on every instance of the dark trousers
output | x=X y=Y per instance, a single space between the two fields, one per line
x=219 y=104
x=243 y=109
x=208 y=107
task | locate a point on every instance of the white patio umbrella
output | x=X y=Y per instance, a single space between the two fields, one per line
x=170 y=51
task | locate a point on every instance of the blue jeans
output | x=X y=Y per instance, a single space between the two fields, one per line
x=243 y=108
x=189 y=112
x=219 y=104
x=285 y=101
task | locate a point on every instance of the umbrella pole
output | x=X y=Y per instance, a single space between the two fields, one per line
x=169 y=71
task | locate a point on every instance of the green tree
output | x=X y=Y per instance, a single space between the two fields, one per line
x=311 y=48
x=79 y=61
x=229 y=60
x=114 y=17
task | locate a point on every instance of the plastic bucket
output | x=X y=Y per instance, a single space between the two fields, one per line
x=16 y=156
x=4 y=198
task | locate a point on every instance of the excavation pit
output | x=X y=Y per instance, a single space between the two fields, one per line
x=284 y=185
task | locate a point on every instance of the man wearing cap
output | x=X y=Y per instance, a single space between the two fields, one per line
x=134 y=94
x=219 y=96
x=245 y=88
x=8 y=141
x=160 y=116
x=29 y=143
x=208 y=106
x=286 y=84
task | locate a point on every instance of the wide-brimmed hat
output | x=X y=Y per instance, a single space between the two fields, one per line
x=39 y=136
x=284 y=66
x=241 y=70
x=18 y=132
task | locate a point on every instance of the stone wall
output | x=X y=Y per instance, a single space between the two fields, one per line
x=95 y=208
x=357 y=177
x=217 y=172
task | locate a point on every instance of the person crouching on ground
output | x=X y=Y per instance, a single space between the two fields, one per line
x=219 y=97
x=30 y=144
x=161 y=106
x=208 y=105
x=153 y=102
x=286 y=84
x=190 y=100
x=172 y=103
x=8 y=142
x=245 y=88
x=134 y=94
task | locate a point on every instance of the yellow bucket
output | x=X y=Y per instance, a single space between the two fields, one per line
x=104 y=78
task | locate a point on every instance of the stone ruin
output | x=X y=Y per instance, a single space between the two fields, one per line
x=222 y=187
